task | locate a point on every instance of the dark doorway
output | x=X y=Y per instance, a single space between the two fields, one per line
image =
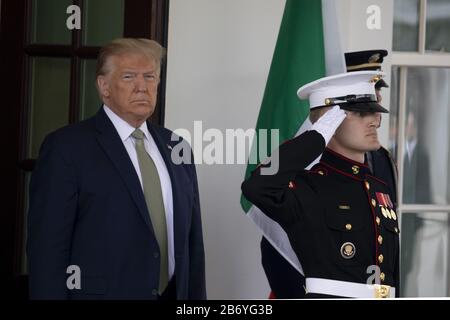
x=48 y=74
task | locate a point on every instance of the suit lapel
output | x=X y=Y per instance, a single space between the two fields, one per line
x=111 y=143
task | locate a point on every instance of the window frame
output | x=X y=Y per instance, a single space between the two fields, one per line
x=404 y=60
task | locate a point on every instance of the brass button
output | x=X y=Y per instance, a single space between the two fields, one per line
x=380 y=239
x=382 y=276
x=374 y=203
x=320 y=172
x=348 y=226
x=375 y=79
x=367 y=185
x=355 y=169
x=396 y=229
x=380 y=258
x=378 y=220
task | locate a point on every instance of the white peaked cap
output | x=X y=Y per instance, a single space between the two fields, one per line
x=346 y=89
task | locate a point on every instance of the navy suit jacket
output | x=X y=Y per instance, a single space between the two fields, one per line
x=87 y=209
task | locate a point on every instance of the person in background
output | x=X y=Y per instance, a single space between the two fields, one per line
x=416 y=190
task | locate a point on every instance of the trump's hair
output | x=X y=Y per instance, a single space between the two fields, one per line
x=150 y=48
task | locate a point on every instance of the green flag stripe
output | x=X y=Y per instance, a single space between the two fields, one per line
x=298 y=59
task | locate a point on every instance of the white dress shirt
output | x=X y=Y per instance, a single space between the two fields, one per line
x=125 y=130
x=410 y=146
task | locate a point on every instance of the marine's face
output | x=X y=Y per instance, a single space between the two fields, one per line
x=358 y=132
x=130 y=88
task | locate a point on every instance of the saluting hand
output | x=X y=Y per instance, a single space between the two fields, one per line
x=329 y=122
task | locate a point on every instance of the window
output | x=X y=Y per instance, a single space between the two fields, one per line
x=420 y=141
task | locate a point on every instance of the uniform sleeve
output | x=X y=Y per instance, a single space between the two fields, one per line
x=271 y=192
x=51 y=218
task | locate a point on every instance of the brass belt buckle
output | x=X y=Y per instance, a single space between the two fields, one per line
x=382 y=291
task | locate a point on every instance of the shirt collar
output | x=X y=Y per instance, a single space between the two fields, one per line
x=124 y=129
x=344 y=165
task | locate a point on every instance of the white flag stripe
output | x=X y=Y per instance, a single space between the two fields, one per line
x=275 y=234
x=334 y=56
x=334 y=64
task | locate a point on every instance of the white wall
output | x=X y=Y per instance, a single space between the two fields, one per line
x=357 y=36
x=219 y=53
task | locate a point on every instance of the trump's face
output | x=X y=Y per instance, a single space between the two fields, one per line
x=130 y=87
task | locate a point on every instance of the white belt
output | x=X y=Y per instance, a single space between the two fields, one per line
x=348 y=289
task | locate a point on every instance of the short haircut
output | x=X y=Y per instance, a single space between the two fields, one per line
x=117 y=47
x=315 y=114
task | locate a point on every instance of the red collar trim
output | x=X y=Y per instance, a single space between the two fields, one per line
x=345 y=158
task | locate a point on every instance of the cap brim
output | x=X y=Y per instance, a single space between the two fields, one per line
x=381 y=84
x=364 y=107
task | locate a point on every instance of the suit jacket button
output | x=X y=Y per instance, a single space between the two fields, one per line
x=155 y=292
x=155 y=255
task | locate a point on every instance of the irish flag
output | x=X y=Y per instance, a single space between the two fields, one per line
x=308 y=47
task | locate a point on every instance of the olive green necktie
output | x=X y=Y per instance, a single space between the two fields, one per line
x=155 y=204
